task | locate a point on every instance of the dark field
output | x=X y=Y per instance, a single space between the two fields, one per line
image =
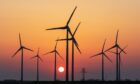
x=76 y=82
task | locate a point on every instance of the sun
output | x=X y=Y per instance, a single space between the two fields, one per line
x=61 y=69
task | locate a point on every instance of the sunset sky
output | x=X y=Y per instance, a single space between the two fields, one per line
x=100 y=19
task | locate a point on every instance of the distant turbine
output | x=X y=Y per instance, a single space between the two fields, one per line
x=55 y=55
x=37 y=56
x=102 y=53
x=22 y=59
x=117 y=47
x=83 y=74
x=73 y=42
x=67 y=28
x=119 y=54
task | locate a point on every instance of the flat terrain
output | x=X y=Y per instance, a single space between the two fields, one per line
x=76 y=82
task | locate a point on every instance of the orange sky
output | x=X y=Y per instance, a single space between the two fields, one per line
x=100 y=19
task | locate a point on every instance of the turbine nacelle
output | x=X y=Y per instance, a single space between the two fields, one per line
x=55 y=51
x=21 y=47
x=102 y=53
x=37 y=56
x=72 y=38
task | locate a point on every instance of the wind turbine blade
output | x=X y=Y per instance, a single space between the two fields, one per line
x=56 y=45
x=62 y=39
x=75 y=42
x=71 y=16
x=108 y=58
x=122 y=50
x=28 y=49
x=16 y=52
x=70 y=31
x=117 y=36
x=110 y=48
x=96 y=55
x=76 y=28
x=120 y=54
x=59 y=55
x=49 y=52
x=61 y=28
x=20 y=40
x=40 y=59
x=33 y=57
x=78 y=48
x=112 y=52
x=104 y=45
x=72 y=37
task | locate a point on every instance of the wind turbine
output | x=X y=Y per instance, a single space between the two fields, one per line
x=83 y=74
x=119 y=56
x=102 y=53
x=38 y=58
x=67 y=28
x=21 y=48
x=55 y=59
x=73 y=42
x=117 y=47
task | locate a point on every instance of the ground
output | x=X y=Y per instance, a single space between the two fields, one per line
x=76 y=82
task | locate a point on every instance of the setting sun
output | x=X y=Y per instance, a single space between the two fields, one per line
x=61 y=69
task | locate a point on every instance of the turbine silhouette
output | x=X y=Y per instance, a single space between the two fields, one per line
x=67 y=28
x=117 y=47
x=119 y=56
x=103 y=54
x=55 y=58
x=21 y=48
x=73 y=42
x=38 y=58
